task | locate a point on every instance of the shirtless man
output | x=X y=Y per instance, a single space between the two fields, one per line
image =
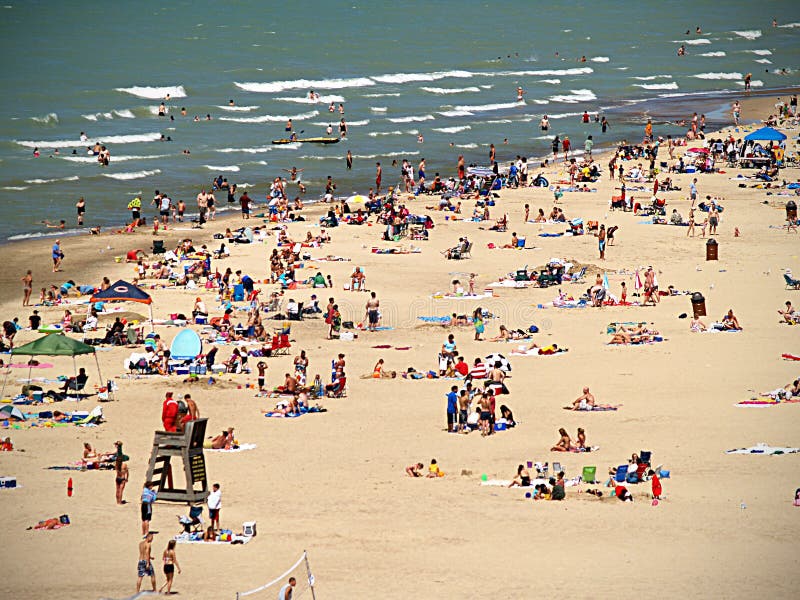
x=372 y=307
x=485 y=404
x=202 y=205
x=145 y=566
x=290 y=384
x=497 y=378
x=585 y=401
x=27 y=288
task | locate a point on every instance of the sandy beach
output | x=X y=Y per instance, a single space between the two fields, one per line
x=334 y=484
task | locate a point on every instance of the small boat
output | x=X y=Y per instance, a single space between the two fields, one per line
x=315 y=140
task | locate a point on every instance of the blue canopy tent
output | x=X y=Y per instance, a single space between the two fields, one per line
x=765 y=134
x=122 y=291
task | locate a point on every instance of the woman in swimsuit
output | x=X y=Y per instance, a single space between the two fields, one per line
x=522 y=479
x=506 y=414
x=564 y=444
x=581 y=441
x=121 y=470
x=27 y=282
x=170 y=563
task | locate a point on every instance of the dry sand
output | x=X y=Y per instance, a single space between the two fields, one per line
x=333 y=483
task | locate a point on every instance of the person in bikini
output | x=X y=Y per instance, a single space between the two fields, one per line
x=564 y=444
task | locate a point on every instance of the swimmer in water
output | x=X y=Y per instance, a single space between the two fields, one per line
x=230 y=102
x=682 y=50
x=520 y=93
x=162 y=110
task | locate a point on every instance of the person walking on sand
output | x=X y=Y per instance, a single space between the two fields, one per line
x=121 y=477
x=148 y=497
x=27 y=288
x=170 y=564
x=145 y=565
x=373 y=312
x=565 y=146
x=287 y=591
x=57 y=256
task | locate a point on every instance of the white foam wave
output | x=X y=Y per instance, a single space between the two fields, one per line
x=550 y=72
x=48 y=119
x=255 y=150
x=358 y=123
x=697 y=42
x=307 y=100
x=575 y=96
x=750 y=34
x=132 y=175
x=538 y=101
x=455 y=113
x=387 y=155
x=154 y=93
x=112 y=139
x=409 y=77
x=313 y=157
x=378 y=109
x=718 y=76
x=291 y=146
x=297 y=84
x=466 y=146
x=498 y=121
x=55 y=180
x=657 y=86
x=124 y=113
x=789 y=25
x=489 y=107
x=600 y=59
x=238 y=108
x=15 y=188
x=383 y=133
x=452 y=129
x=438 y=90
x=760 y=52
x=553 y=81
x=385 y=95
x=564 y=115
x=754 y=83
x=114 y=159
x=231 y=168
x=271 y=118
x=712 y=54
x=652 y=77
x=411 y=119
x=763 y=61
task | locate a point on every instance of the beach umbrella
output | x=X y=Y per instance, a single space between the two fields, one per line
x=605 y=281
x=11 y=412
x=495 y=358
x=357 y=199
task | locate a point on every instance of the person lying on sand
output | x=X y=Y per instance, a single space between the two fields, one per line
x=223 y=441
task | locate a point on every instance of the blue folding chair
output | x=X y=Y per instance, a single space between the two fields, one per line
x=622 y=473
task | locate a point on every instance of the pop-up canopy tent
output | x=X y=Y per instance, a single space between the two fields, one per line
x=56 y=344
x=765 y=134
x=122 y=291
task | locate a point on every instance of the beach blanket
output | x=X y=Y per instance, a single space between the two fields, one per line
x=84 y=466
x=790 y=357
x=510 y=283
x=762 y=448
x=550 y=234
x=239 y=448
x=504 y=483
x=448 y=296
x=303 y=411
x=570 y=303
x=657 y=339
x=26 y=366
x=596 y=408
x=522 y=351
x=765 y=402
x=197 y=538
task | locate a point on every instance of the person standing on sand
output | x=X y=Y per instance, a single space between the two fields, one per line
x=57 y=256
x=27 y=288
x=149 y=496
x=287 y=591
x=81 y=207
x=556 y=143
x=145 y=565
x=736 y=109
x=378 y=177
x=170 y=563
x=690 y=229
x=373 y=312
x=565 y=146
x=601 y=242
x=120 y=475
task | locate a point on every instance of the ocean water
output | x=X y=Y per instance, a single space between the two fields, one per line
x=447 y=70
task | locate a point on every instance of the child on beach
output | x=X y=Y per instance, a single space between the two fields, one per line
x=415 y=470
x=262 y=374
x=434 y=470
x=655 y=483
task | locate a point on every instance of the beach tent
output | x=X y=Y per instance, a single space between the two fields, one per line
x=122 y=291
x=765 y=134
x=11 y=412
x=55 y=344
x=186 y=345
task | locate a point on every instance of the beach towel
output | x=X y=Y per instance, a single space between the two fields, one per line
x=197 y=538
x=522 y=351
x=84 y=466
x=596 y=408
x=570 y=303
x=534 y=482
x=303 y=411
x=762 y=448
x=766 y=402
x=26 y=366
x=239 y=448
x=448 y=296
x=790 y=357
x=550 y=234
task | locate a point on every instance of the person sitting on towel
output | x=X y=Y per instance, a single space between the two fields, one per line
x=585 y=401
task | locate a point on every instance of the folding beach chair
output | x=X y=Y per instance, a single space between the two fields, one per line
x=193 y=523
x=644 y=456
x=791 y=283
x=589 y=474
x=622 y=474
x=158 y=247
x=557 y=468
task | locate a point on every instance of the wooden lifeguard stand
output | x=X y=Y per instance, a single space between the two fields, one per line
x=189 y=447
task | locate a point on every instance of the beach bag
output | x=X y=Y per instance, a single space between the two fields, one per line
x=533 y=329
x=64 y=519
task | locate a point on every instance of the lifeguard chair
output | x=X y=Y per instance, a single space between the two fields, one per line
x=188 y=446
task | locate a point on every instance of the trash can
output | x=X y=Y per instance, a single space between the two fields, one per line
x=711 y=249
x=791 y=211
x=698 y=305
